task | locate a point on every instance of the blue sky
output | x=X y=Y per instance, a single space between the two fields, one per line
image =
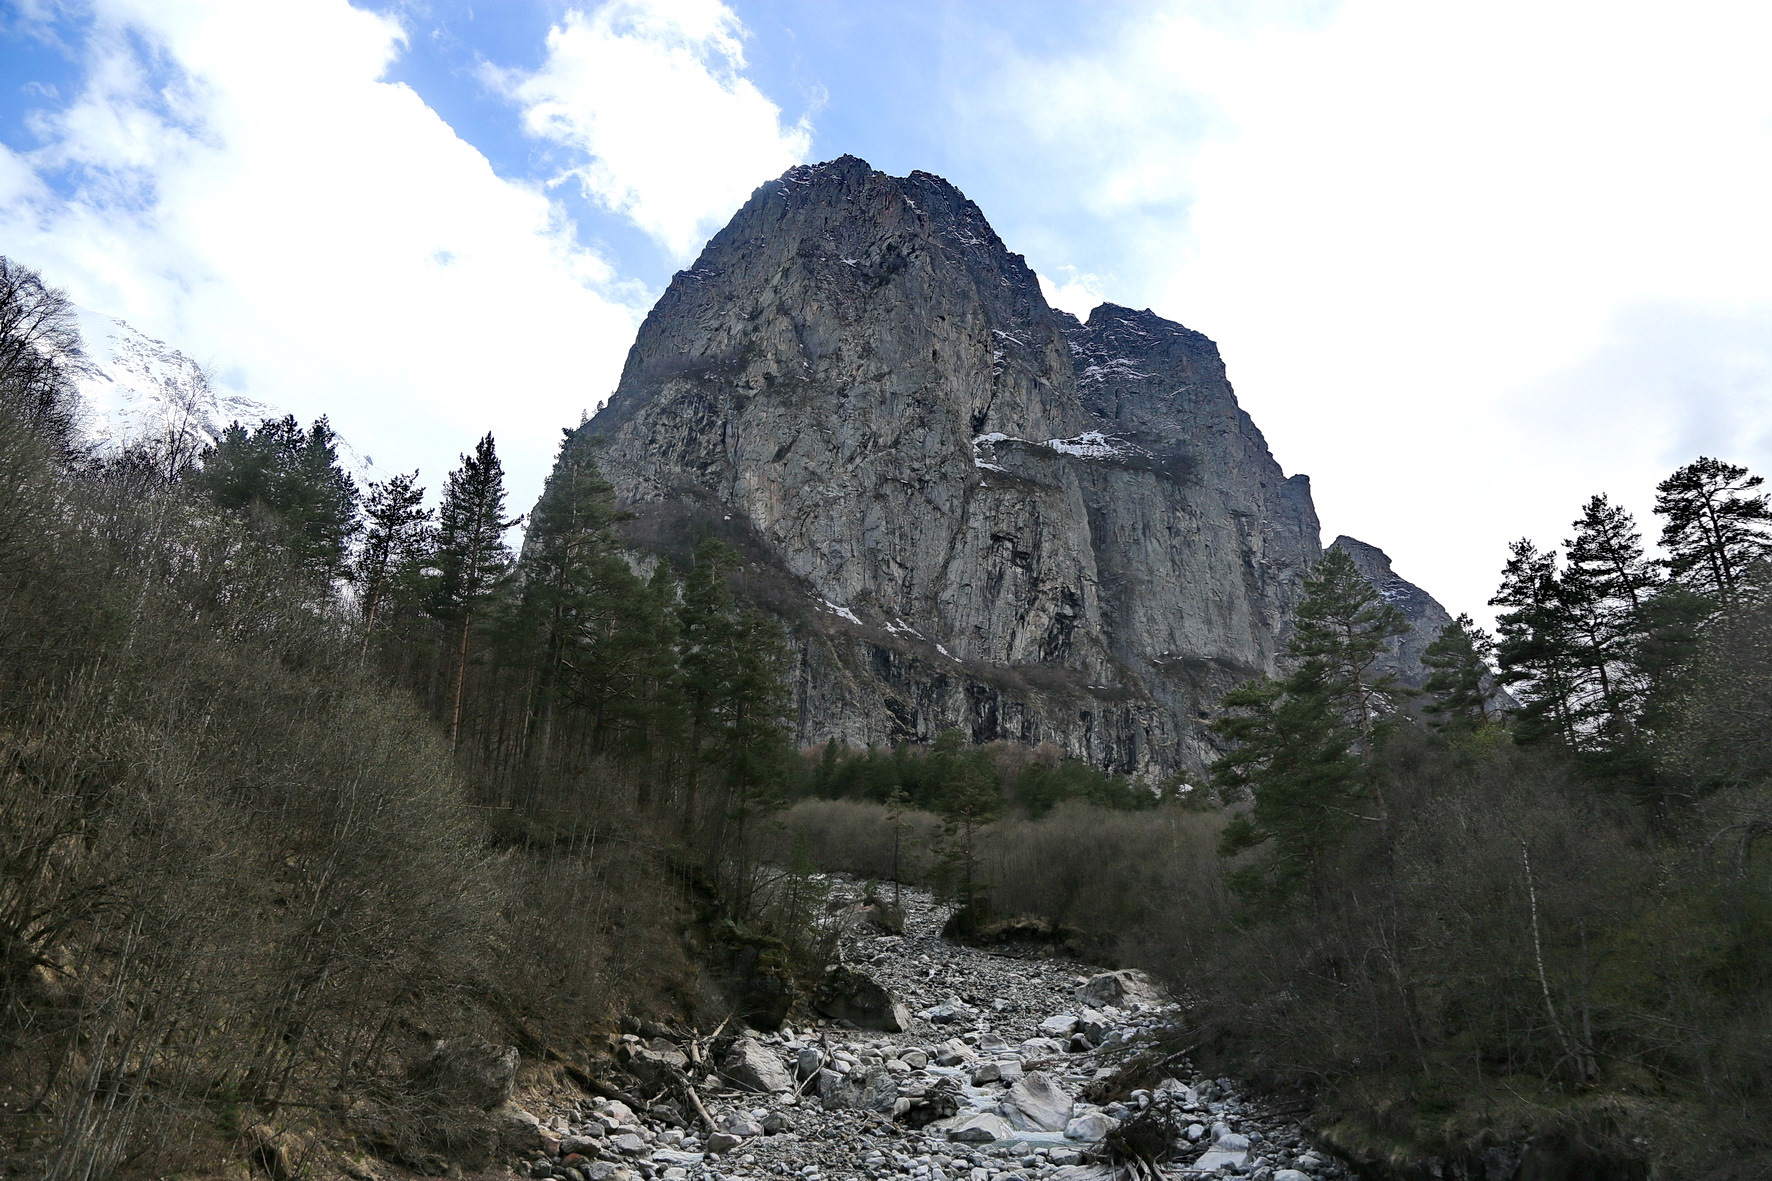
x=1468 y=264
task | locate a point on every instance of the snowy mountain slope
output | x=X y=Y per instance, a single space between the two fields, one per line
x=137 y=389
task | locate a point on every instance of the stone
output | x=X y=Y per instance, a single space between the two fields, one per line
x=740 y=1124
x=1059 y=1025
x=1291 y=1175
x=721 y=1143
x=519 y=1132
x=846 y=994
x=776 y=1122
x=754 y=1067
x=601 y=1171
x=986 y=1072
x=1041 y=1101
x=953 y=1052
x=982 y=1128
x=1216 y=1158
x=884 y=916
x=915 y=1059
x=628 y=1142
x=951 y=1012
x=584 y=1145
x=670 y=1156
x=1123 y=988
x=808 y=1061
x=1090 y=1126
x=466 y=1072
x=1093 y=1025
x=1041 y=1047
x=869 y=1089
x=1196 y=1132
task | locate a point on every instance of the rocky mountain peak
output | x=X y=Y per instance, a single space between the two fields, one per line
x=971 y=510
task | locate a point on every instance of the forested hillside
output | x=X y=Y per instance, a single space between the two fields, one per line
x=300 y=776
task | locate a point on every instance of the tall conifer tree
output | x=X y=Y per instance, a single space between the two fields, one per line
x=1461 y=678
x=396 y=532
x=1303 y=744
x=471 y=555
x=1716 y=526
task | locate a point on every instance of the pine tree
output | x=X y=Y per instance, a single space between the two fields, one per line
x=1535 y=645
x=289 y=481
x=1294 y=755
x=734 y=686
x=601 y=634
x=1304 y=744
x=471 y=554
x=1461 y=678
x=1605 y=586
x=396 y=533
x=1344 y=627
x=1716 y=528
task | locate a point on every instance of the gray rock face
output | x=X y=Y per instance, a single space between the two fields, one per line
x=1425 y=615
x=971 y=511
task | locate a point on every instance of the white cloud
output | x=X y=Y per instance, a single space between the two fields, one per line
x=247 y=186
x=649 y=93
x=1441 y=245
x=1078 y=294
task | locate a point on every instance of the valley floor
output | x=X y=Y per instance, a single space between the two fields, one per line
x=1000 y=1040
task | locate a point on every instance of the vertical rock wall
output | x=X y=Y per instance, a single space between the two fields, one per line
x=970 y=510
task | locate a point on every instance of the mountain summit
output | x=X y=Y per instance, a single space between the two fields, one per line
x=971 y=510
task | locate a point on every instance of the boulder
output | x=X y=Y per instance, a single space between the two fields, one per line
x=1090 y=1126
x=1216 y=1158
x=869 y=1089
x=1093 y=1025
x=845 y=994
x=740 y=1124
x=1059 y=1025
x=754 y=1067
x=1127 y=986
x=954 y=1052
x=519 y=1132
x=952 y=1011
x=983 y=1128
x=1041 y=1102
x=466 y=1072
x=886 y=917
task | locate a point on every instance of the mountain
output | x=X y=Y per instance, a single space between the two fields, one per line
x=138 y=389
x=971 y=510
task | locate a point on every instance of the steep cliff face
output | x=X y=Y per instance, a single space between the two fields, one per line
x=970 y=509
x=1425 y=616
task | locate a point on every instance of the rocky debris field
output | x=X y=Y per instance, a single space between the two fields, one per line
x=945 y=1063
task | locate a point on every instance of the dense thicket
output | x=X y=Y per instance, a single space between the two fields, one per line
x=285 y=793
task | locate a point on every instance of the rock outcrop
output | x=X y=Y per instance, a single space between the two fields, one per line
x=1425 y=615
x=971 y=510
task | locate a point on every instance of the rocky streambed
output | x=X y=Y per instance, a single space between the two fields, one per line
x=978 y=1067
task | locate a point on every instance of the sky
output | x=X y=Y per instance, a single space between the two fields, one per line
x=1468 y=264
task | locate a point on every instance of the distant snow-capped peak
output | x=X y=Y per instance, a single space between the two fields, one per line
x=137 y=389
